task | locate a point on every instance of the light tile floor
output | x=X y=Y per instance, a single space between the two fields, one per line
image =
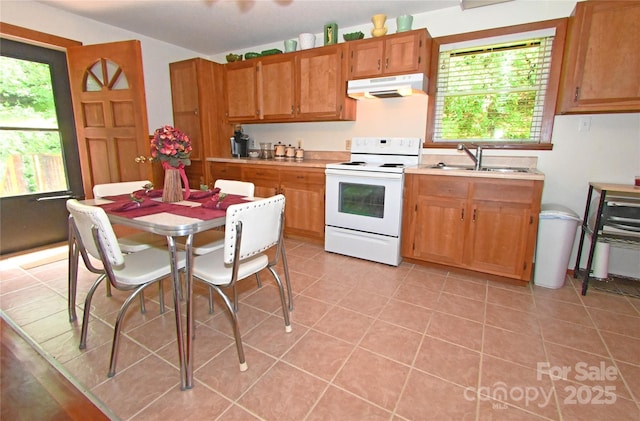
x=369 y=341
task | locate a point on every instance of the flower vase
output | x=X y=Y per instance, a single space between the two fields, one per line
x=172 y=191
x=378 y=25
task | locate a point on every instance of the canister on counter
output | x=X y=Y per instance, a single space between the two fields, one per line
x=299 y=154
x=290 y=152
x=278 y=150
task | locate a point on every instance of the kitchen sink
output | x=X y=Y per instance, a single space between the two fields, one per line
x=446 y=167
x=506 y=169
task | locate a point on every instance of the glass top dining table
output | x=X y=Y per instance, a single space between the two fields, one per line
x=179 y=219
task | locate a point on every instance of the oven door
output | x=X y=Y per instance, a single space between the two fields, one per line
x=364 y=201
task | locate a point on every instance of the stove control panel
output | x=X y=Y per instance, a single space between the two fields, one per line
x=387 y=145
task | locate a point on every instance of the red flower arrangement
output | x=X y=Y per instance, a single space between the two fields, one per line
x=171 y=146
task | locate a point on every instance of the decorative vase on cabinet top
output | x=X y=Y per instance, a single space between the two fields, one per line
x=379 y=29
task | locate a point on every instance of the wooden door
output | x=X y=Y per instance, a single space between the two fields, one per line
x=439 y=220
x=402 y=53
x=107 y=87
x=277 y=83
x=321 y=87
x=365 y=58
x=497 y=238
x=304 y=211
x=602 y=61
x=242 y=91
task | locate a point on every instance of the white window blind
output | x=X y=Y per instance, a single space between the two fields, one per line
x=493 y=92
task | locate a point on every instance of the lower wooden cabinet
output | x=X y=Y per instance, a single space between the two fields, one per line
x=482 y=224
x=304 y=210
x=303 y=188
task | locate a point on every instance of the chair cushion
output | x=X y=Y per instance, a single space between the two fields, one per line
x=211 y=268
x=146 y=265
x=140 y=241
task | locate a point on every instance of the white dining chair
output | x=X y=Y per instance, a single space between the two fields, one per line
x=126 y=272
x=251 y=229
x=132 y=242
x=208 y=241
x=128 y=244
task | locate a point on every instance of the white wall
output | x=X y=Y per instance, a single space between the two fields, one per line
x=156 y=55
x=608 y=152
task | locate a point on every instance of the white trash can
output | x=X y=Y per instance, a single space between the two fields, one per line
x=556 y=234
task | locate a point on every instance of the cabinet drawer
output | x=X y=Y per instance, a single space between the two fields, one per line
x=443 y=186
x=221 y=170
x=258 y=173
x=307 y=176
x=512 y=191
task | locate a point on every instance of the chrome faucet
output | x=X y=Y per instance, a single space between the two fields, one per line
x=477 y=158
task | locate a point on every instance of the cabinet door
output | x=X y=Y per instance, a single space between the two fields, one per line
x=321 y=85
x=601 y=67
x=439 y=218
x=242 y=91
x=440 y=227
x=277 y=83
x=497 y=239
x=402 y=54
x=503 y=225
x=365 y=58
x=304 y=211
x=265 y=179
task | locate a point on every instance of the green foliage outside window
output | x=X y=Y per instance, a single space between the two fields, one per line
x=492 y=93
x=27 y=118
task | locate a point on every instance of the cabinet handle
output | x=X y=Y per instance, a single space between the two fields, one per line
x=386 y=63
x=292 y=110
x=378 y=64
x=462 y=214
x=140 y=159
x=196 y=111
x=474 y=215
x=577 y=94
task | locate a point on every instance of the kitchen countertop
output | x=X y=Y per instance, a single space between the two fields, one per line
x=532 y=174
x=320 y=160
x=428 y=161
x=307 y=163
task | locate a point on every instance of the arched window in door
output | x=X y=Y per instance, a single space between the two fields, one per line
x=105 y=74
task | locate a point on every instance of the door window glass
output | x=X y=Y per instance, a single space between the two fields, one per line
x=31 y=159
x=105 y=73
x=362 y=199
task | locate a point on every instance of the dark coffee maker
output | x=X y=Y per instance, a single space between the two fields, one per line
x=239 y=144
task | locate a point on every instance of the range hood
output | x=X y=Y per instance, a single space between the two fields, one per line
x=387 y=87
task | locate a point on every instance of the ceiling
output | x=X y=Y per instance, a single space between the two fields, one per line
x=212 y=27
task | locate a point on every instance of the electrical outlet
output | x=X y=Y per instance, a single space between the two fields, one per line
x=347 y=144
x=584 y=124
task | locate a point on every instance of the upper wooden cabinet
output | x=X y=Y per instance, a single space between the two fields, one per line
x=406 y=52
x=241 y=93
x=309 y=85
x=198 y=112
x=601 y=68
